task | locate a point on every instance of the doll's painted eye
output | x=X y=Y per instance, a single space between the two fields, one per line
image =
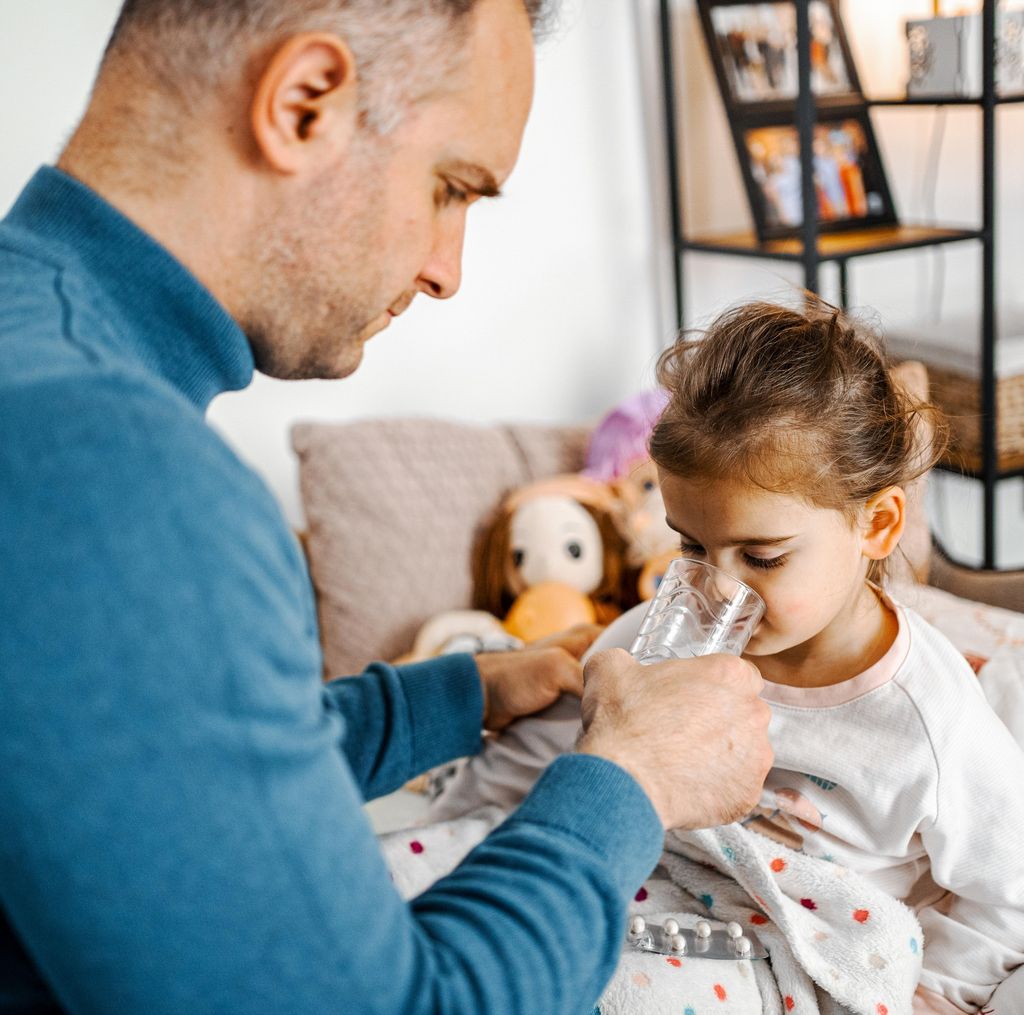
x=574 y=550
x=518 y=556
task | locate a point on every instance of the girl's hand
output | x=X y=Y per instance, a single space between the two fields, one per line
x=517 y=684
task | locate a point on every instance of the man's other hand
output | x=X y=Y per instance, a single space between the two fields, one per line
x=523 y=682
x=692 y=732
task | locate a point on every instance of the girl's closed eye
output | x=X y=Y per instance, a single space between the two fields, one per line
x=765 y=563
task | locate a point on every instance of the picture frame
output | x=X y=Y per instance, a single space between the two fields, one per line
x=753 y=49
x=752 y=44
x=851 y=186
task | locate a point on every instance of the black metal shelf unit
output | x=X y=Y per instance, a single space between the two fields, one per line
x=813 y=248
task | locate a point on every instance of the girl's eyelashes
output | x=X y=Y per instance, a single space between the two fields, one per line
x=765 y=563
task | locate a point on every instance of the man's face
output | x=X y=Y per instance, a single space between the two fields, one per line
x=344 y=253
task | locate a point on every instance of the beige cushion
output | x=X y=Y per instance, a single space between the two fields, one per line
x=392 y=511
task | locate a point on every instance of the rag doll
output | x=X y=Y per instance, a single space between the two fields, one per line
x=550 y=556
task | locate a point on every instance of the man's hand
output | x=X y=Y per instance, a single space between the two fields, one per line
x=521 y=683
x=692 y=732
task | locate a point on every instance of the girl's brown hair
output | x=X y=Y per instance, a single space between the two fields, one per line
x=794 y=401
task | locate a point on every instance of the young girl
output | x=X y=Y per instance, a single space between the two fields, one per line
x=784 y=454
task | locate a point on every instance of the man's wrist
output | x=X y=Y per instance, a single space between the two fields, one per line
x=602 y=804
x=595 y=746
x=445 y=706
x=481 y=663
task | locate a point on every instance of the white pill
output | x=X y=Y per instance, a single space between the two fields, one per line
x=637 y=925
x=671 y=927
x=703 y=928
x=678 y=943
x=734 y=930
x=743 y=947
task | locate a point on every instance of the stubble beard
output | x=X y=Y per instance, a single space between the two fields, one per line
x=317 y=277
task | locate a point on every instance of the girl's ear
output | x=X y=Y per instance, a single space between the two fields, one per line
x=884 y=518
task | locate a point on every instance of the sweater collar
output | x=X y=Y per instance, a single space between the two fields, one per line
x=175 y=325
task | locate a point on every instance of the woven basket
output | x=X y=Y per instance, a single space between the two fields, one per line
x=959 y=396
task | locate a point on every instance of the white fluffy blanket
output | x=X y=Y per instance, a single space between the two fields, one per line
x=837 y=944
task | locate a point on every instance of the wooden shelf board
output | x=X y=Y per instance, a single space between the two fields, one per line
x=969 y=463
x=941 y=100
x=924 y=100
x=833 y=246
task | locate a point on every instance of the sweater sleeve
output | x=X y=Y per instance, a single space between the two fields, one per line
x=183 y=826
x=400 y=721
x=974 y=937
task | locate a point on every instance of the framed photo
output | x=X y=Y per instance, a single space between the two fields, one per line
x=753 y=49
x=849 y=181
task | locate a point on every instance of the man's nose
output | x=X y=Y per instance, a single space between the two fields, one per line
x=441 y=274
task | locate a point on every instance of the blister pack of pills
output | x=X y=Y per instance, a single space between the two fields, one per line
x=731 y=944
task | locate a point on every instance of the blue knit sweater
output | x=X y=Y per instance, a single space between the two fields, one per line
x=181 y=824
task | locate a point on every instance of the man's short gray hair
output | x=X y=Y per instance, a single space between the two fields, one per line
x=403 y=48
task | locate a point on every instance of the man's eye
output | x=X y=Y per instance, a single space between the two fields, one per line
x=690 y=549
x=765 y=563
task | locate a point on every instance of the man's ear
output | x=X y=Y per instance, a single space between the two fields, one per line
x=304 y=109
x=884 y=517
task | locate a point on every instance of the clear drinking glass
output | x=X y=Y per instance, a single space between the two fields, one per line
x=697 y=610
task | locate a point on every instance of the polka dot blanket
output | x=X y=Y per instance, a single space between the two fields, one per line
x=837 y=945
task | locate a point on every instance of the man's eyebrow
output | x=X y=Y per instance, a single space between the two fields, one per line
x=742 y=541
x=481 y=181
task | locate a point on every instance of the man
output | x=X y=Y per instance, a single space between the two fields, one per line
x=266 y=184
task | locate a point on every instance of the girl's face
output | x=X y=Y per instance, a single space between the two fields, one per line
x=804 y=561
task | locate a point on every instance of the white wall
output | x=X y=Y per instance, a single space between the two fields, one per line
x=563 y=306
